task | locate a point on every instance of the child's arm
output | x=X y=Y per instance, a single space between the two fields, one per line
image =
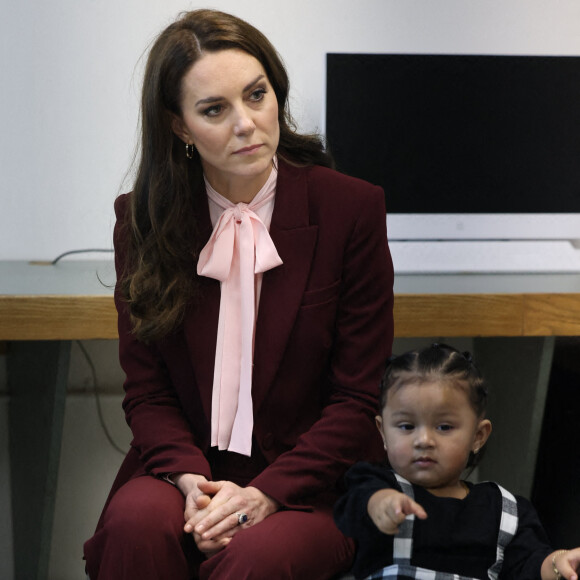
x=388 y=508
x=565 y=562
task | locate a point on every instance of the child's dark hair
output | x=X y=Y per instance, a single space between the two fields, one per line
x=438 y=362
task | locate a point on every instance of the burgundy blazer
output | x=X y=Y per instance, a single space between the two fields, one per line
x=324 y=330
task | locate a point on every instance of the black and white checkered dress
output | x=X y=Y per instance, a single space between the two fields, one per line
x=403 y=544
x=488 y=534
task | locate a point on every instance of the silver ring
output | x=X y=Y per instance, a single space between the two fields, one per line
x=242 y=518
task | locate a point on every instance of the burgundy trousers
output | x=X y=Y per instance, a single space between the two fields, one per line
x=141 y=537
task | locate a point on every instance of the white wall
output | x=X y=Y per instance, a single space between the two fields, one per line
x=70 y=82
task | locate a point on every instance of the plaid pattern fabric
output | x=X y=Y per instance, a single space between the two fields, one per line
x=403 y=541
x=507 y=528
x=401 y=569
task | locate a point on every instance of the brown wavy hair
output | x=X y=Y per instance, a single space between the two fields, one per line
x=161 y=242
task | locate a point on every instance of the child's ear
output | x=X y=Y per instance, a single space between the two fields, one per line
x=481 y=435
x=379 y=424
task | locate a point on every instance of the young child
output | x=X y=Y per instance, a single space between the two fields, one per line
x=418 y=518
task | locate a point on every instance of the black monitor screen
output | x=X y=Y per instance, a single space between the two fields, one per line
x=459 y=133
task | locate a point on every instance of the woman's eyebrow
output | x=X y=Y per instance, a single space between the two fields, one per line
x=209 y=100
x=256 y=80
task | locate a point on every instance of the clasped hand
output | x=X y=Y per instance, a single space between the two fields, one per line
x=212 y=508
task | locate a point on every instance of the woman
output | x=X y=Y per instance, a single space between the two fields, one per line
x=255 y=311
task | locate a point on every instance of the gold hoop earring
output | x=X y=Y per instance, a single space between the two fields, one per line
x=189 y=149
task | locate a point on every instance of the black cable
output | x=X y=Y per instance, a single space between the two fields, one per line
x=98 y=400
x=108 y=251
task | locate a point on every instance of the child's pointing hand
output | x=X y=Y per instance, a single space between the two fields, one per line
x=388 y=508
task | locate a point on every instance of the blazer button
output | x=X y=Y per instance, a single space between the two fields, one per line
x=268 y=441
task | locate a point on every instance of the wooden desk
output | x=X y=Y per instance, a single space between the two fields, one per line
x=43 y=308
x=68 y=302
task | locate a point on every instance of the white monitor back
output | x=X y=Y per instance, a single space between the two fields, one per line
x=484 y=226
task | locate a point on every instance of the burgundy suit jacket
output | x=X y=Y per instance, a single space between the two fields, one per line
x=324 y=330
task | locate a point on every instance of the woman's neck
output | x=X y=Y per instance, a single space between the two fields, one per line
x=238 y=189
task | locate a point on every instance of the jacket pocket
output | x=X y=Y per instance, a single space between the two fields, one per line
x=321 y=295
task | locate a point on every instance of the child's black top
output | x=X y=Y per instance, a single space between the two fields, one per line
x=458 y=536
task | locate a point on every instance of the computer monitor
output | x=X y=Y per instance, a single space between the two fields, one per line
x=465 y=146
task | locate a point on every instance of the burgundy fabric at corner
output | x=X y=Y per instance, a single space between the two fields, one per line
x=143 y=542
x=324 y=330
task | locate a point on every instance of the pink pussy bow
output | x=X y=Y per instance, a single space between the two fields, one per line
x=239 y=247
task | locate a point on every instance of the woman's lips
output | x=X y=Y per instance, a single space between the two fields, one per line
x=247 y=150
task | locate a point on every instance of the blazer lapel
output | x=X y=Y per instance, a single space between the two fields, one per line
x=201 y=319
x=283 y=287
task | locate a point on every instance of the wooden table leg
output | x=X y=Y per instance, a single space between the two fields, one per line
x=37 y=378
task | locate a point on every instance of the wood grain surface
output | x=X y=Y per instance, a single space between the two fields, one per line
x=71 y=317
